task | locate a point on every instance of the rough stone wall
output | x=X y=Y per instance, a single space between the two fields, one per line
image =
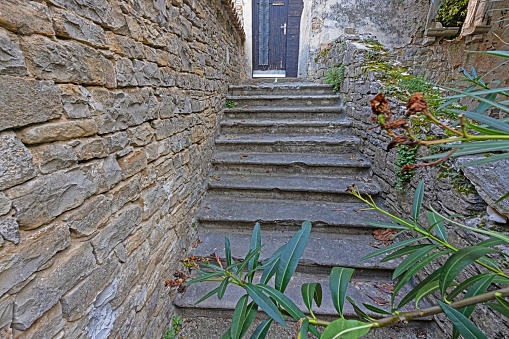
x=360 y=86
x=108 y=111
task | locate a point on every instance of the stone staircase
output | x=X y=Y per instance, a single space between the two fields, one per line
x=285 y=154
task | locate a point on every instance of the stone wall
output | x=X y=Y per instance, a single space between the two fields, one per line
x=108 y=111
x=443 y=191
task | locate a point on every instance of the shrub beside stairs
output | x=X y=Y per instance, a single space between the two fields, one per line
x=285 y=153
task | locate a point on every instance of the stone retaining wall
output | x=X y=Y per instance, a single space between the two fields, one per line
x=108 y=111
x=442 y=192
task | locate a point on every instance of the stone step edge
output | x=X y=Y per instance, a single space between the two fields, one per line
x=281 y=97
x=276 y=109
x=286 y=122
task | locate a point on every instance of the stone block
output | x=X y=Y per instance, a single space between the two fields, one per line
x=125 y=46
x=133 y=163
x=49 y=326
x=69 y=25
x=16 y=166
x=33 y=252
x=67 y=61
x=40 y=294
x=153 y=200
x=141 y=135
x=117 y=110
x=102 y=317
x=103 y=173
x=77 y=101
x=101 y=147
x=126 y=192
x=146 y=73
x=6 y=310
x=9 y=229
x=5 y=204
x=27 y=17
x=87 y=219
x=26 y=101
x=115 y=232
x=52 y=157
x=125 y=73
x=12 y=61
x=58 y=131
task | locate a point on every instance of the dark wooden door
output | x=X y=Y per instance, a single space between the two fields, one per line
x=270 y=26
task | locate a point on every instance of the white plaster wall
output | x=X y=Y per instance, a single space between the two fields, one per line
x=248 y=29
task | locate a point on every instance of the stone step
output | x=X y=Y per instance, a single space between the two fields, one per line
x=280 y=215
x=281 y=88
x=329 y=144
x=279 y=113
x=333 y=189
x=324 y=250
x=292 y=163
x=284 y=100
x=301 y=126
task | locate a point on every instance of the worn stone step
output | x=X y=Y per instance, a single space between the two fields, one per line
x=292 y=163
x=284 y=100
x=280 y=215
x=329 y=144
x=301 y=126
x=281 y=88
x=324 y=250
x=332 y=189
x=279 y=113
x=360 y=290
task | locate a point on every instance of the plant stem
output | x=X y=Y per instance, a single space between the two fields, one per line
x=318 y=322
x=441 y=124
x=469 y=138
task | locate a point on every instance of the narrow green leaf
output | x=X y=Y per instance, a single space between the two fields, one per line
x=485 y=145
x=430 y=288
x=286 y=303
x=485 y=130
x=314 y=331
x=457 y=262
x=376 y=309
x=467 y=151
x=310 y=292
x=411 y=260
x=228 y=251
x=208 y=295
x=418 y=196
x=304 y=329
x=249 y=256
x=338 y=284
x=262 y=329
x=222 y=288
x=498 y=53
x=264 y=303
x=502 y=306
x=505 y=196
x=239 y=315
x=490 y=242
x=389 y=248
x=256 y=241
x=360 y=313
x=227 y=334
x=336 y=327
x=467 y=283
x=203 y=278
x=290 y=256
x=270 y=266
x=411 y=295
x=489 y=121
x=437 y=225
x=465 y=327
x=251 y=311
x=386 y=225
x=486 y=160
x=404 y=251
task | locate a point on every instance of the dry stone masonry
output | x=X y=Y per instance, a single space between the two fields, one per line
x=107 y=115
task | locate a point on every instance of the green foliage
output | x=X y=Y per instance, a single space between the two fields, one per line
x=230 y=103
x=457 y=178
x=452 y=13
x=176 y=325
x=406 y=155
x=336 y=76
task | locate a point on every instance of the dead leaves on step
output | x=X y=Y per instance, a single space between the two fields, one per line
x=384 y=234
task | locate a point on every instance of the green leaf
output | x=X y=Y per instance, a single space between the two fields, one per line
x=485 y=130
x=486 y=160
x=502 y=306
x=484 y=106
x=264 y=303
x=498 y=53
x=386 y=225
x=360 y=313
x=239 y=315
x=467 y=283
x=262 y=329
x=411 y=295
x=256 y=241
x=486 y=120
x=304 y=329
x=222 y=288
x=437 y=224
x=286 y=303
x=309 y=292
x=250 y=255
x=411 y=260
x=490 y=242
x=376 y=309
x=477 y=93
x=338 y=284
x=228 y=251
x=251 y=311
x=430 y=288
x=404 y=251
x=505 y=196
x=336 y=327
x=392 y=247
x=465 y=327
x=208 y=295
x=227 y=334
x=290 y=256
x=418 y=196
x=203 y=277
x=457 y=262
x=270 y=266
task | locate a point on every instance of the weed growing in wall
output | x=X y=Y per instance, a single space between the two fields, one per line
x=230 y=103
x=336 y=76
x=175 y=327
x=406 y=155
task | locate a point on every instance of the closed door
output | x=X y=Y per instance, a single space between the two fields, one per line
x=270 y=25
